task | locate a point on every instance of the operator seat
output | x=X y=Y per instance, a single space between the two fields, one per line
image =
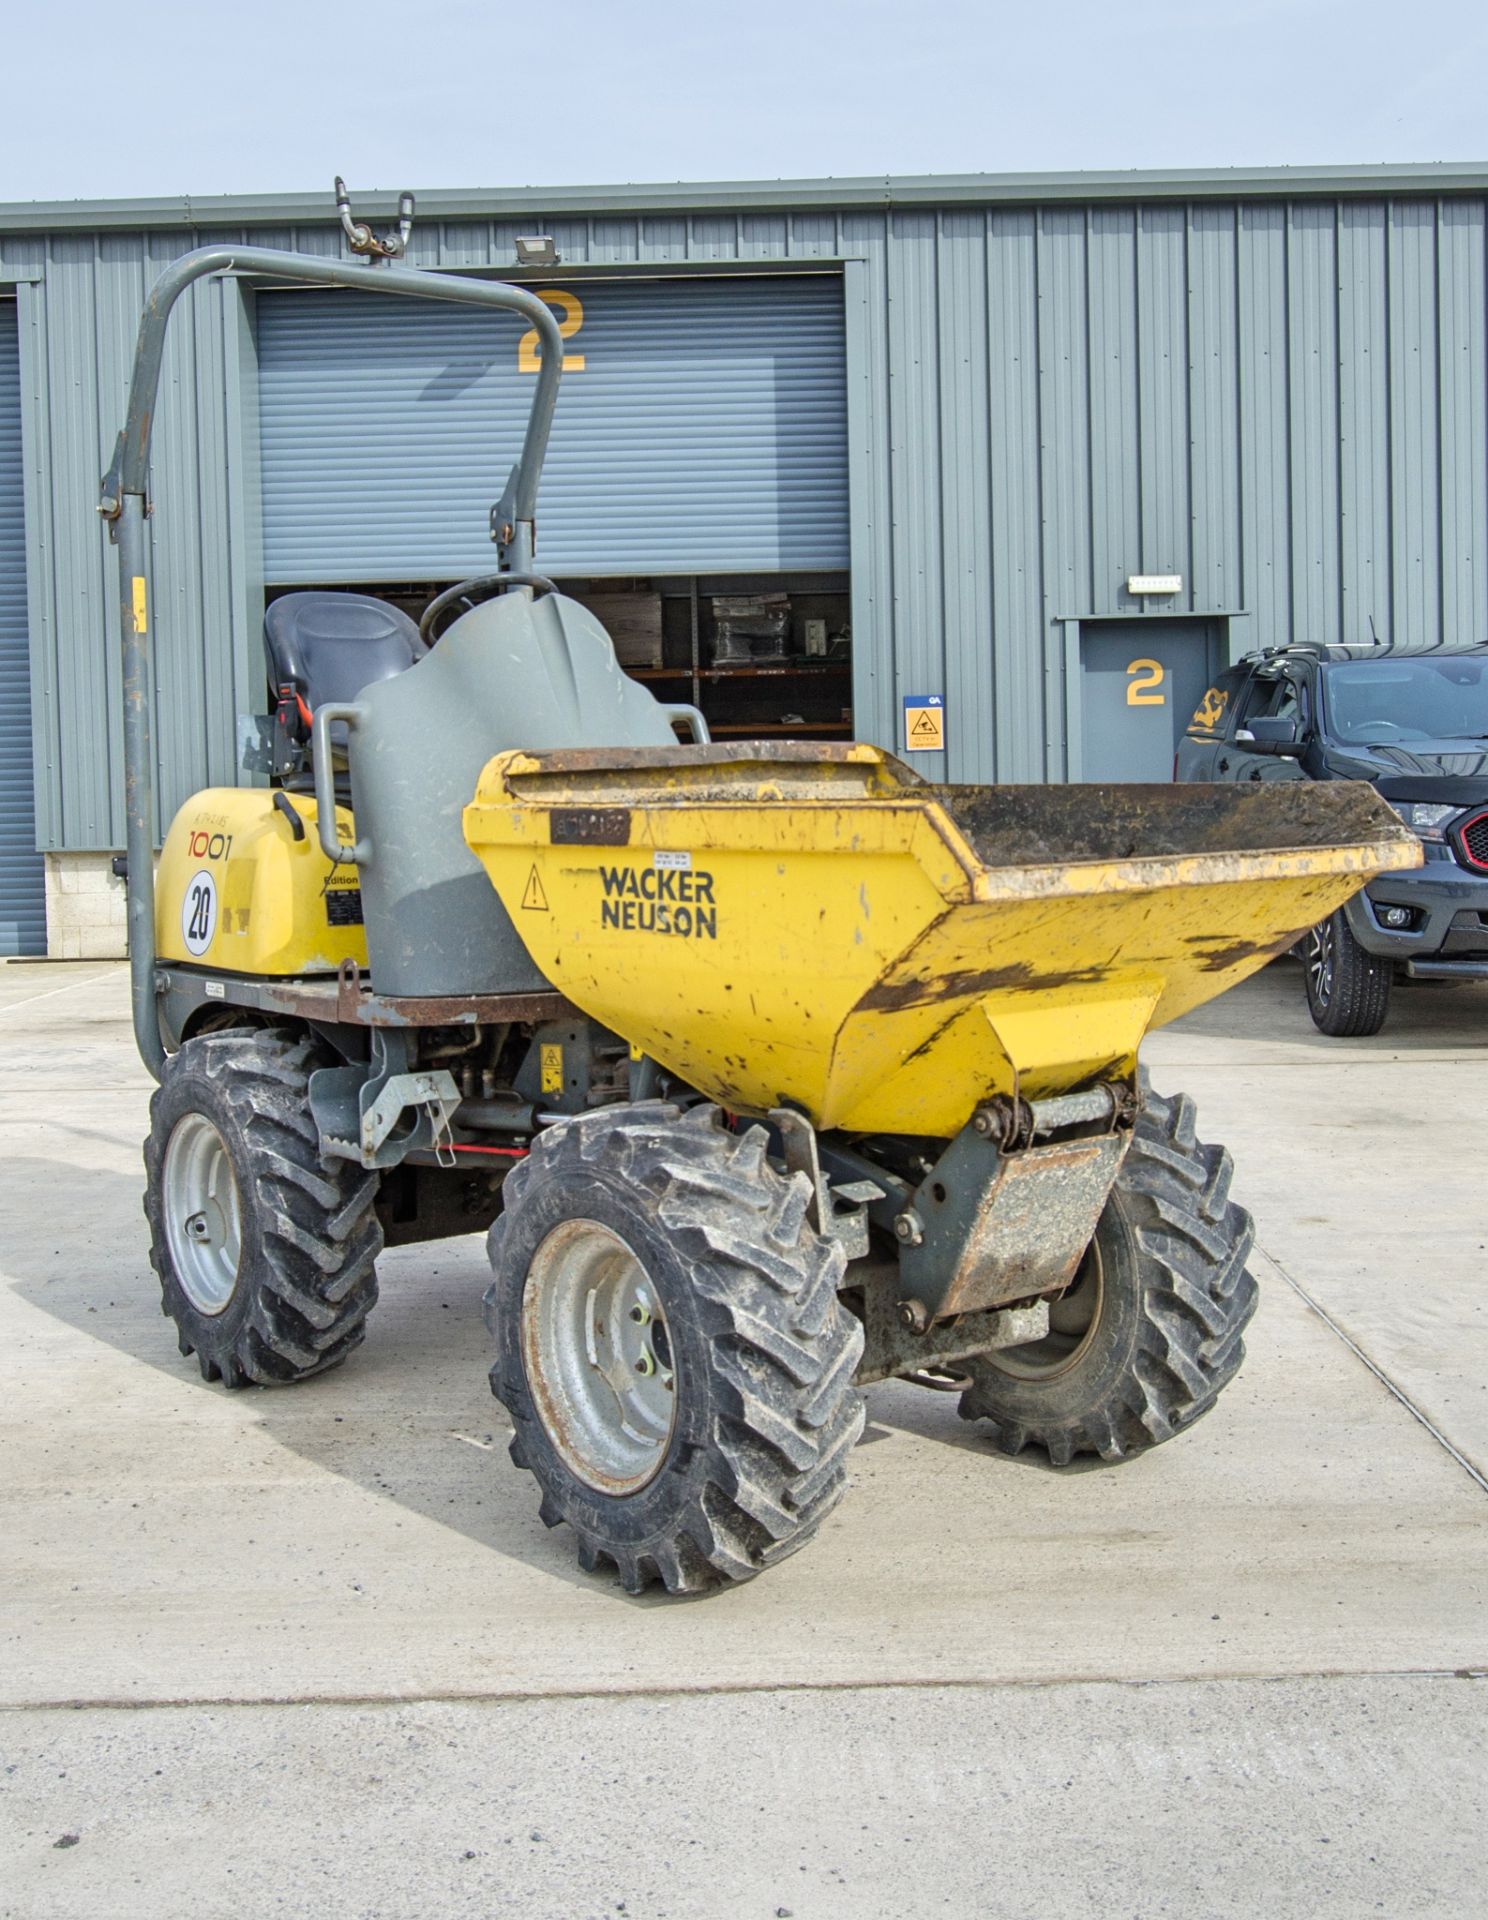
x=329 y=646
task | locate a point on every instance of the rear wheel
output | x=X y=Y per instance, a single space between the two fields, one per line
x=266 y=1256
x=1149 y=1334
x=671 y=1347
x=1348 y=988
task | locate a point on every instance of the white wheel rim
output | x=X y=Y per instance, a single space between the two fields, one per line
x=598 y=1357
x=203 y=1222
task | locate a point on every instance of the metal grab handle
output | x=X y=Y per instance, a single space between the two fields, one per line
x=693 y=716
x=339 y=854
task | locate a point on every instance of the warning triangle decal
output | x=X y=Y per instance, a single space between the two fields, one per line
x=926 y=726
x=533 y=897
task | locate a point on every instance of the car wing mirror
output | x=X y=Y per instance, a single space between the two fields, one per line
x=1276 y=736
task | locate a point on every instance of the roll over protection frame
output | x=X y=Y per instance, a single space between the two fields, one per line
x=124 y=505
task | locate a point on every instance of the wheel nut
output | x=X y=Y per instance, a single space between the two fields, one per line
x=639 y=1314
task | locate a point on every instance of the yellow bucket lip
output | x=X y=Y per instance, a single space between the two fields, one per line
x=661 y=786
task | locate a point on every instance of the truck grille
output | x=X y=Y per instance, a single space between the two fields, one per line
x=1472 y=842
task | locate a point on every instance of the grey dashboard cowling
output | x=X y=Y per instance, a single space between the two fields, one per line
x=514 y=672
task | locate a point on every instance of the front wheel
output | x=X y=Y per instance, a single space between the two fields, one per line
x=266 y=1256
x=1150 y=1332
x=1348 y=988
x=671 y=1347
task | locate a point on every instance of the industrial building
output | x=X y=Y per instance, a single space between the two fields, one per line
x=991 y=470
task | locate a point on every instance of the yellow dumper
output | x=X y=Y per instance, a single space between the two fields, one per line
x=772 y=1071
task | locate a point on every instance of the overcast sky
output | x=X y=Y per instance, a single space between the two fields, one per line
x=187 y=97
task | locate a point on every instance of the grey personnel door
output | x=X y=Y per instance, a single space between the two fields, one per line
x=22 y=873
x=701 y=428
x=1140 y=682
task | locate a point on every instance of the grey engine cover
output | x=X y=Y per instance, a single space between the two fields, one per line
x=515 y=672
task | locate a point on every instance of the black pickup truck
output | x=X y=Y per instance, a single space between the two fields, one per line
x=1415 y=725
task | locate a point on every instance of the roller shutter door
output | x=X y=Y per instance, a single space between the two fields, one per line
x=706 y=431
x=22 y=874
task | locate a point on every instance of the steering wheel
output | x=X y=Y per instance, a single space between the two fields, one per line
x=1370 y=726
x=472 y=592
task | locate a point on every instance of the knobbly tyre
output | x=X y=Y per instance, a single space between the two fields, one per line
x=771 y=1070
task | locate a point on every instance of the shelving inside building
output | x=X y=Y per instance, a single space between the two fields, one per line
x=784 y=672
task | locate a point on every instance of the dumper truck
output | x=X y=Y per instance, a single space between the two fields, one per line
x=770 y=1070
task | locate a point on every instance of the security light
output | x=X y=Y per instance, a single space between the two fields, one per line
x=536 y=250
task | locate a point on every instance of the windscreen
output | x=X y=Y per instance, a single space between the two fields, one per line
x=1385 y=702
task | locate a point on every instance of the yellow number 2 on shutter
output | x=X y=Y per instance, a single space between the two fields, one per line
x=1146 y=678
x=570 y=319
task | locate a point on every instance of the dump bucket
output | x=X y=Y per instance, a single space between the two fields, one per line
x=815 y=926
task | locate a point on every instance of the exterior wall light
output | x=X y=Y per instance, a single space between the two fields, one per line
x=536 y=250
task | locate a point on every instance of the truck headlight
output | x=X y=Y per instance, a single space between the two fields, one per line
x=1426 y=818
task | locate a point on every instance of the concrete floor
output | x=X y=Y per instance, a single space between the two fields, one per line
x=313 y=1651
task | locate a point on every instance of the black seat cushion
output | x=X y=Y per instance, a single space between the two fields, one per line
x=328 y=646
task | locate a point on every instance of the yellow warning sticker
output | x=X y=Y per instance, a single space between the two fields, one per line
x=140 y=609
x=551 y=1060
x=924 y=723
x=533 y=897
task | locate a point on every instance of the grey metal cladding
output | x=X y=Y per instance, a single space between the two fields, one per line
x=22 y=882
x=1283 y=399
x=701 y=428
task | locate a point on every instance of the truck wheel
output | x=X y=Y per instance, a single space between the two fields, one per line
x=1150 y=1332
x=1348 y=988
x=671 y=1347
x=265 y=1256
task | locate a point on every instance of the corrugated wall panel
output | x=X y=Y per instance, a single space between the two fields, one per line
x=1265 y=437
x=1363 y=423
x=1162 y=361
x=1316 y=454
x=22 y=879
x=705 y=431
x=88 y=314
x=914 y=430
x=1014 y=504
x=1065 y=387
x=1312 y=338
x=1415 y=452
x=1115 y=463
x=1463 y=320
x=966 y=524
x=1065 y=443
x=870 y=470
x=88 y=727
x=1214 y=409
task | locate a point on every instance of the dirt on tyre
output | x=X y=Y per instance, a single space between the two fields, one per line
x=266 y=1256
x=671 y=1347
x=1150 y=1332
x=1348 y=988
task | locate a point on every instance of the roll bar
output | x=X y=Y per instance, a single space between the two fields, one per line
x=124 y=505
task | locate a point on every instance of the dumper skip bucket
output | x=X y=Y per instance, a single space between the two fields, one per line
x=814 y=926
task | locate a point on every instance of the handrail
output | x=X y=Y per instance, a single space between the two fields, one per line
x=123 y=504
